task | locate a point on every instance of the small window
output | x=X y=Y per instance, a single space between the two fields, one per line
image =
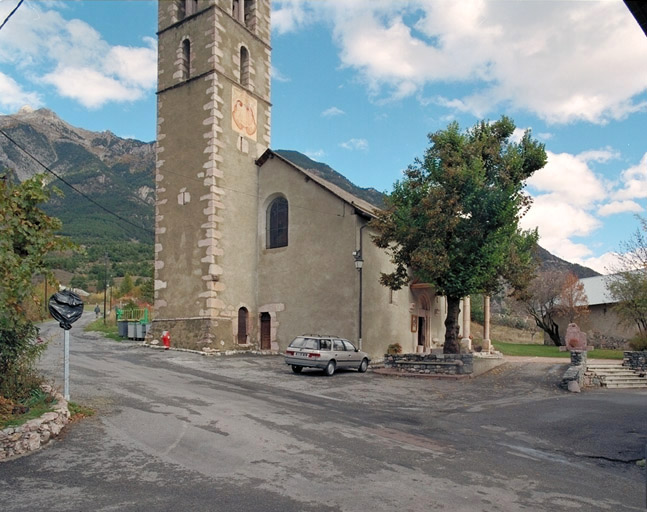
x=186 y=59
x=244 y=67
x=338 y=345
x=325 y=345
x=277 y=223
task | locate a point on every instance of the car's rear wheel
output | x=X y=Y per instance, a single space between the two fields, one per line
x=297 y=369
x=330 y=368
x=363 y=366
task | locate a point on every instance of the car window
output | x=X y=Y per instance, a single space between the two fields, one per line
x=309 y=343
x=338 y=345
x=349 y=345
x=325 y=345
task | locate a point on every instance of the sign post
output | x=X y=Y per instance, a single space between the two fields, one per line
x=66 y=307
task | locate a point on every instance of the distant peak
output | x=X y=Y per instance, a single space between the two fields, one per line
x=42 y=112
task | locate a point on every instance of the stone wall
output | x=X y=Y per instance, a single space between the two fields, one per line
x=637 y=361
x=30 y=436
x=439 y=364
x=573 y=378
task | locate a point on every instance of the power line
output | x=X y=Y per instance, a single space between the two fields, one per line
x=11 y=14
x=148 y=231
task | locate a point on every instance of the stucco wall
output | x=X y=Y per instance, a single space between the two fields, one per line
x=206 y=210
x=312 y=285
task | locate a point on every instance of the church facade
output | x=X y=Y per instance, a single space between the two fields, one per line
x=252 y=250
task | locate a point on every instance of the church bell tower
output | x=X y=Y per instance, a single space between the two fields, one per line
x=213 y=122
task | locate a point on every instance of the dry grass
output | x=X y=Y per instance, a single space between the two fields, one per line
x=508 y=334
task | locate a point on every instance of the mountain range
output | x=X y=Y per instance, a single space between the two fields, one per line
x=109 y=191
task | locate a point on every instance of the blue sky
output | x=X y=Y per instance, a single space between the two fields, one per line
x=360 y=84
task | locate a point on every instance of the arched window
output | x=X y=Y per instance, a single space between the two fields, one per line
x=186 y=59
x=244 y=67
x=249 y=15
x=191 y=7
x=277 y=223
x=243 y=315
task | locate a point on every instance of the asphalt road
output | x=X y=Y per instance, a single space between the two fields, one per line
x=180 y=432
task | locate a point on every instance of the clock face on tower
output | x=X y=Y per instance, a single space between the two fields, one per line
x=243 y=113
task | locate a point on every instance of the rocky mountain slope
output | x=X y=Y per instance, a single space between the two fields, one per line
x=118 y=174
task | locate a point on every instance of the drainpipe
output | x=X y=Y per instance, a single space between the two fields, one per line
x=359 y=263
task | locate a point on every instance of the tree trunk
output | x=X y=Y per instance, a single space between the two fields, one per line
x=452 y=343
x=547 y=325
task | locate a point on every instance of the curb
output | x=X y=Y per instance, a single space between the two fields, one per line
x=32 y=435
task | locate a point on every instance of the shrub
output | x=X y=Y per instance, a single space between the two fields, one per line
x=639 y=342
x=394 y=348
x=19 y=350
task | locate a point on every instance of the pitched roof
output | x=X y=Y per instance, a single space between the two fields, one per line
x=596 y=290
x=363 y=207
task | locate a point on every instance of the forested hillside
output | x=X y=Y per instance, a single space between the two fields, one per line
x=112 y=217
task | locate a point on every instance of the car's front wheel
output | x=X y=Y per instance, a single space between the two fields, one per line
x=363 y=366
x=330 y=368
x=297 y=369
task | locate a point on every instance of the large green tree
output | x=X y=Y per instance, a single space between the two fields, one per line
x=27 y=235
x=452 y=221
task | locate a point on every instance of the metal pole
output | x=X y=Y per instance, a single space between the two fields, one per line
x=105 y=288
x=360 y=309
x=66 y=362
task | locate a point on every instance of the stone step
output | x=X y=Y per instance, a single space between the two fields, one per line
x=625 y=385
x=616 y=376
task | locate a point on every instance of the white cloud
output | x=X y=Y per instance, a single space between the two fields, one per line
x=353 y=144
x=134 y=66
x=634 y=181
x=619 y=207
x=332 y=111
x=278 y=76
x=563 y=61
x=568 y=178
x=604 y=264
x=288 y=16
x=315 y=155
x=89 y=87
x=12 y=96
x=74 y=58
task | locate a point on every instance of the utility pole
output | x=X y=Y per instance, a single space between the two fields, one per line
x=105 y=288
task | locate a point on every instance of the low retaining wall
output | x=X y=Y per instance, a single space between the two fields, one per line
x=30 y=436
x=573 y=378
x=438 y=364
x=637 y=361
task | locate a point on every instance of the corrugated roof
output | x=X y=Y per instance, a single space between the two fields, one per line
x=596 y=290
x=363 y=206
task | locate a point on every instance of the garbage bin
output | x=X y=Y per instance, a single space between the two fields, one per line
x=131 y=330
x=139 y=331
x=122 y=328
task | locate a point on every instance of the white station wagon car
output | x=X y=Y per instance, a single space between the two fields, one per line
x=325 y=352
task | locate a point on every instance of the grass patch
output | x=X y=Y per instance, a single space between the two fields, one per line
x=518 y=349
x=38 y=404
x=78 y=411
x=109 y=329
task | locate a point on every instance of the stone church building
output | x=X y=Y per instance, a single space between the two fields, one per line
x=252 y=250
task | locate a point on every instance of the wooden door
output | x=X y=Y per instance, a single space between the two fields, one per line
x=266 y=331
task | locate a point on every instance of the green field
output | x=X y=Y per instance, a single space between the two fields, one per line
x=517 y=349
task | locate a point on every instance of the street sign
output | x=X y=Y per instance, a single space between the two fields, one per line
x=66 y=307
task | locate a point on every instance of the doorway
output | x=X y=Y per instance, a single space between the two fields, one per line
x=266 y=331
x=243 y=316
